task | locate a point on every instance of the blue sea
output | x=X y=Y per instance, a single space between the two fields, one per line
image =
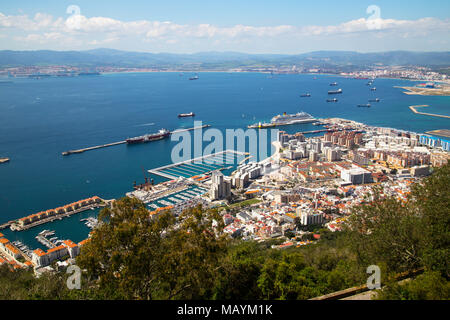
x=40 y=118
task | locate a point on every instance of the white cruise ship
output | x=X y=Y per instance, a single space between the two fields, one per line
x=285 y=119
x=292 y=118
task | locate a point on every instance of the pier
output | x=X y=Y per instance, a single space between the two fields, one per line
x=66 y=153
x=5 y=225
x=50 y=219
x=414 y=109
x=43 y=240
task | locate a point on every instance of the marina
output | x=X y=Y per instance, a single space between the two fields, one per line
x=197 y=166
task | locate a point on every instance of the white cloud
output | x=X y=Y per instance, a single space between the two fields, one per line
x=44 y=28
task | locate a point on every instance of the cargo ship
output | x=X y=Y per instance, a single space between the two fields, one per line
x=333 y=84
x=373 y=89
x=332 y=100
x=374 y=100
x=305 y=95
x=161 y=134
x=364 y=105
x=184 y=115
x=335 y=91
x=285 y=119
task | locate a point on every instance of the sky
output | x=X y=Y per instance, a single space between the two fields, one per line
x=188 y=26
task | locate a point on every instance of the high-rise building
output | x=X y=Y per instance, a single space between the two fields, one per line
x=220 y=187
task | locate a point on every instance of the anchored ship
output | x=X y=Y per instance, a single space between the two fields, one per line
x=194 y=77
x=333 y=84
x=364 y=105
x=285 y=119
x=163 y=133
x=305 y=95
x=374 y=100
x=335 y=91
x=183 y=115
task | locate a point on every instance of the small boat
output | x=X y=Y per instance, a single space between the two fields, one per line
x=194 y=77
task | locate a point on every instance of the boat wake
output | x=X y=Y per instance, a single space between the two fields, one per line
x=145 y=125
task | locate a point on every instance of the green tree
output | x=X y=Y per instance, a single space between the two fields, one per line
x=428 y=286
x=132 y=256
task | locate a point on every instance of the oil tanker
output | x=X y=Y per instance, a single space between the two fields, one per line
x=161 y=134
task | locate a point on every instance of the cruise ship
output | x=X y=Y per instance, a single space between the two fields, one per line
x=285 y=119
x=161 y=134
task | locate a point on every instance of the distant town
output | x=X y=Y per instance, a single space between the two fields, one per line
x=397 y=72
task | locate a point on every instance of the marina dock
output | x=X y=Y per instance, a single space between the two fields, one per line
x=66 y=153
x=414 y=109
x=197 y=166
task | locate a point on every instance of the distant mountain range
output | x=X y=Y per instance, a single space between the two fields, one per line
x=221 y=60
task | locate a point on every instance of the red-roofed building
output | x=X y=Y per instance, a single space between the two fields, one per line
x=72 y=248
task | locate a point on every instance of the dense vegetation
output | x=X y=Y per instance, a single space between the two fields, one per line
x=132 y=257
